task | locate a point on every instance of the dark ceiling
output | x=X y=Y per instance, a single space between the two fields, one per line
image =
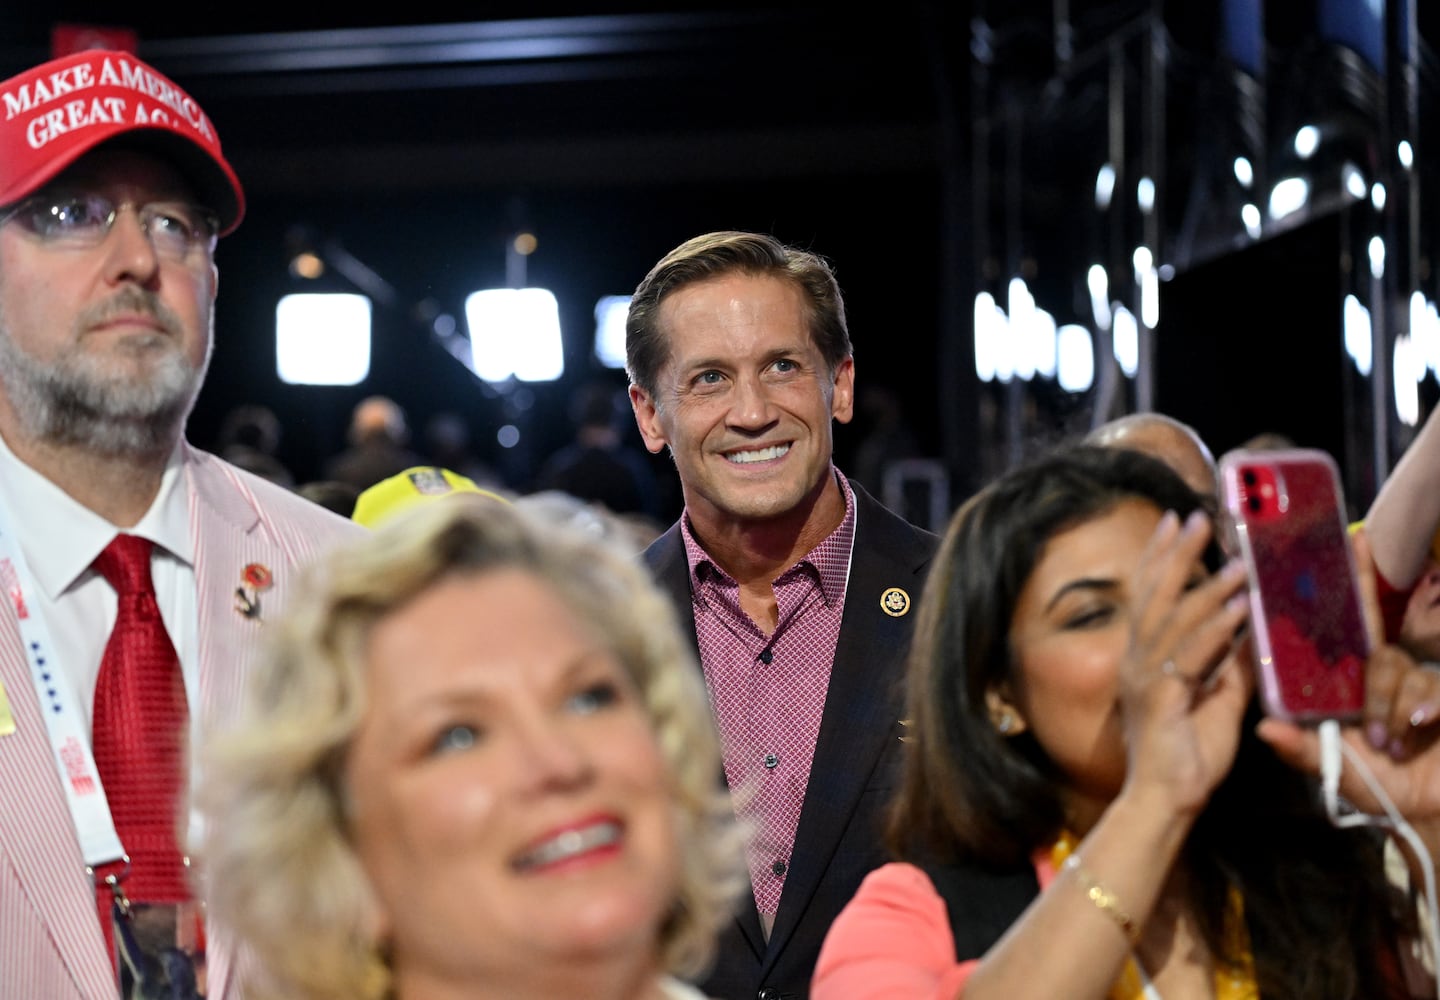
x=559 y=93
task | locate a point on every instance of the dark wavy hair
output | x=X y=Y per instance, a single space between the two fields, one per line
x=973 y=796
x=712 y=255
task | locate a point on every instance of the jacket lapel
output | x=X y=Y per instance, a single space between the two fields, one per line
x=37 y=832
x=223 y=524
x=862 y=708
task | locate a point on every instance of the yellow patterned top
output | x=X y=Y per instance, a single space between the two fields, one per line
x=1232 y=982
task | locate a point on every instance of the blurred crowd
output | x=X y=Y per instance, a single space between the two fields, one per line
x=600 y=469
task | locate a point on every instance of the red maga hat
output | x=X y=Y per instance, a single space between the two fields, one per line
x=52 y=115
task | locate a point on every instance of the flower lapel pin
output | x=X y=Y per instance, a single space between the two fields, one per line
x=255 y=578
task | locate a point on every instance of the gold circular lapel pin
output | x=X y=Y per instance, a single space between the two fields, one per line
x=895 y=602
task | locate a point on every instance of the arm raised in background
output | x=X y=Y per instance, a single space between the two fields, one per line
x=1405 y=513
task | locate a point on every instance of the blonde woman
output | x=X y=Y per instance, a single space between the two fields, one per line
x=478 y=762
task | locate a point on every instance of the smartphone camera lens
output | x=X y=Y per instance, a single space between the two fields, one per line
x=1249 y=476
x=1254 y=503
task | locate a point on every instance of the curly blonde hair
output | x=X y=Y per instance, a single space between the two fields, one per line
x=278 y=868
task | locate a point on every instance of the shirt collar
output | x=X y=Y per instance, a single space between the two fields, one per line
x=62 y=536
x=830 y=559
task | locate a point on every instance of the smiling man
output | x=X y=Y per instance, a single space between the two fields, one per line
x=139 y=571
x=798 y=582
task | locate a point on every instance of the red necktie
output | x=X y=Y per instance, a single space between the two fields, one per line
x=139 y=732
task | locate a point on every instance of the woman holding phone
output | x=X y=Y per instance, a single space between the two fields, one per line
x=1090 y=808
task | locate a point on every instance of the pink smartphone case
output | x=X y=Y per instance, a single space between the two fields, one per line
x=1306 y=620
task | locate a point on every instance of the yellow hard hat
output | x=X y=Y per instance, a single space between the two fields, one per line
x=417 y=484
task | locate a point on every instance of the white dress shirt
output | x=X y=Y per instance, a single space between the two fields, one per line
x=60 y=538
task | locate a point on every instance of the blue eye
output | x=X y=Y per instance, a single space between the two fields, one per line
x=455 y=737
x=173 y=221
x=594 y=698
x=74 y=214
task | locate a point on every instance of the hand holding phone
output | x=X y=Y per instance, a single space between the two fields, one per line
x=1285 y=515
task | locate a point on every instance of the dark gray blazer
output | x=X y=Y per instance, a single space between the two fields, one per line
x=857 y=757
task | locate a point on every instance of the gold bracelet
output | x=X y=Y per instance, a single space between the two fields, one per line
x=1105 y=901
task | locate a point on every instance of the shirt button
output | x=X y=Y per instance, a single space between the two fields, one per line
x=766 y=656
x=768 y=995
x=778 y=868
x=772 y=761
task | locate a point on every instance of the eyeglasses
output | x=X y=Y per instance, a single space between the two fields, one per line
x=178 y=231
